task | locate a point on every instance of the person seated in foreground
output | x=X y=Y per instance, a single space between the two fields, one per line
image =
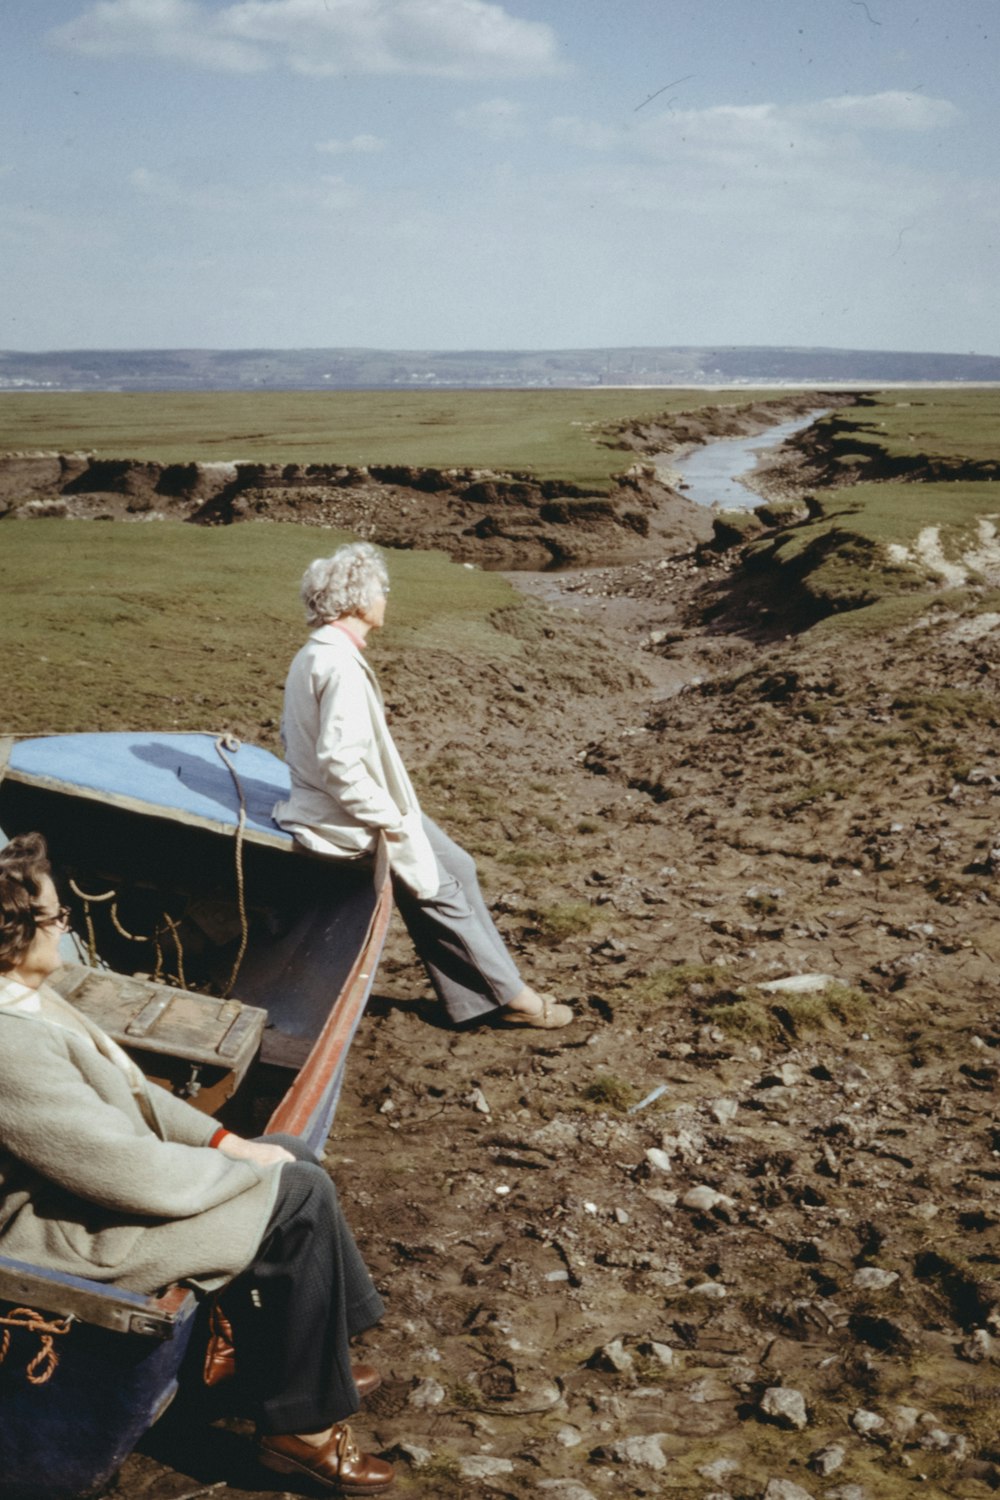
x=350 y=790
x=107 y=1176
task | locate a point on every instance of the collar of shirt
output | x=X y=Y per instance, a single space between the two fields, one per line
x=18 y=996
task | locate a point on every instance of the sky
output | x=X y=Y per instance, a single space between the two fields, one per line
x=499 y=174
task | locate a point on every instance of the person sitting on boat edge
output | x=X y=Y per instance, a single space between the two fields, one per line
x=107 y=1176
x=350 y=788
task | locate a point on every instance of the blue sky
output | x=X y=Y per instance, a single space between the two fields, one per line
x=499 y=173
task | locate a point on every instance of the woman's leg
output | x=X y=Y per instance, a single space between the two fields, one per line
x=456 y=938
x=294 y=1310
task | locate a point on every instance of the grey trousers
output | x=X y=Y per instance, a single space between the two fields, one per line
x=456 y=938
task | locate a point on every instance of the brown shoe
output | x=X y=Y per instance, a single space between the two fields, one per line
x=366 y=1379
x=337 y=1465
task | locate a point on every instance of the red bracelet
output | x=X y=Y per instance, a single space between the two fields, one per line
x=219 y=1136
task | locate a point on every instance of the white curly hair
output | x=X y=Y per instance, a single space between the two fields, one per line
x=344 y=584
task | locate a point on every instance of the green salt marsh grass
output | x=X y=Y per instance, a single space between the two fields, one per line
x=558 y=434
x=946 y=425
x=167 y=626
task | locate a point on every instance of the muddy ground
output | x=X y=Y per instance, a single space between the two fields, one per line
x=779 y=1277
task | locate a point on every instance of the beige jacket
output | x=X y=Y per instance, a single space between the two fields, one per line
x=117 y=1183
x=349 y=784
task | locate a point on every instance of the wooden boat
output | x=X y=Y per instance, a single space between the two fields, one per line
x=184 y=895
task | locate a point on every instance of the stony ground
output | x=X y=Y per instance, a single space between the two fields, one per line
x=778 y=1277
x=735 y=1233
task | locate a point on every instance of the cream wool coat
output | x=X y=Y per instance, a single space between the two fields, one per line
x=96 y=1181
x=349 y=784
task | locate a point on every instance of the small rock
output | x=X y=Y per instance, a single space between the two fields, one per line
x=936 y=1440
x=798 y=984
x=658 y=1159
x=874 y=1279
x=642 y=1452
x=387 y=1106
x=613 y=1356
x=785 y=1489
x=621 y=1217
x=428 y=1393
x=724 y=1110
x=785 y=1406
x=564 y=1489
x=557 y=1276
x=662 y=1353
x=847 y=1492
x=416 y=1456
x=703 y=1199
x=482 y=1466
x=569 y=1437
x=476 y=1099
x=826 y=1461
x=713 y=1290
x=719 y=1470
x=978 y=1346
x=867 y=1423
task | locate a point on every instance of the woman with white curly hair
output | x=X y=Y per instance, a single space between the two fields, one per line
x=350 y=790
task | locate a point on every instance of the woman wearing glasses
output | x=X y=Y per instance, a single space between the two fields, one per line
x=106 y=1176
x=350 y=790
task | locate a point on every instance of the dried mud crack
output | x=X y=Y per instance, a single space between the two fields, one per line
x=779 y=1276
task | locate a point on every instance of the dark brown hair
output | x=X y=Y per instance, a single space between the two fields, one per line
x=23 y=863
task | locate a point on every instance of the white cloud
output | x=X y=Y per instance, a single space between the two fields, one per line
x=888 y=111
x=498 y=119
x=362 y=145
x=437 y=38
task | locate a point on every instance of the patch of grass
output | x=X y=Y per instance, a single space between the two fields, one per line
x=608 y=1092
x=565 y=919
x=553 y=434
x=188 y=627
x=938 y=425
x=660 y=986
x=754 y=1015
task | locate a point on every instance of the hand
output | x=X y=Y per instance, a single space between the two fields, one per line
x=259 y=1152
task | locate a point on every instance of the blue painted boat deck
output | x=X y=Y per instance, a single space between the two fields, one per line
x=174 y=775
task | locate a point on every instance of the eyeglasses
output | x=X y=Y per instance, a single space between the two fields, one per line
x=59 y=918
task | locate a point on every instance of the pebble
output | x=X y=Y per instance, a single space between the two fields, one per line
x=719 y=1469
x=476 y=1099
x=724 y=1110
x=847 y=1492
x=798 y=984
x=557 y=1276
x=702 y=1199
x=564 y=1489
x=867 y=1423
x=482 y=1466
x=662 y=1353
x=658 y=1159
x=785 y=1489
x=713 y=1290
x=874 y=1279
x=613 y=1356
x=826 y=1461
x=785 y=1406
x=643 y=1452
x=621 y=1217
x=428 y=1393
x=569 y=1437
x=417 y=1456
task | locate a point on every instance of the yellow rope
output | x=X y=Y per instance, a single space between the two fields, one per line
x=43 y=1365
x=223 y=743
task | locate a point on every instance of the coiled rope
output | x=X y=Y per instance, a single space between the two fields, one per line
x=43 y=1365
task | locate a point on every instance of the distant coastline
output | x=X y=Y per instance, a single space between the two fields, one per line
x=707 y=367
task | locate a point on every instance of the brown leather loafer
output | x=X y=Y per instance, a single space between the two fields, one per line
x=366 y=1378
x=338 y=1465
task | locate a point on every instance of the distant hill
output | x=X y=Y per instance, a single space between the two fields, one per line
x=360 y=369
